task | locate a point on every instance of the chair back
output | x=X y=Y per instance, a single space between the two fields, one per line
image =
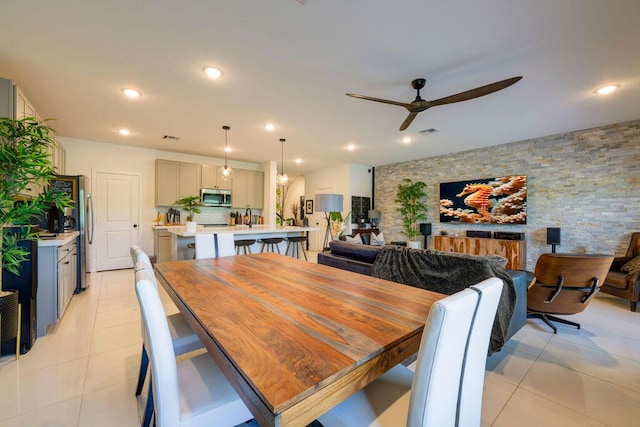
x=436 y=384
x=634 y=246
x=472 y=381
x=205 y=246
x=226 y=245
x=137 y=254
x=565 y=283
x=164 y=372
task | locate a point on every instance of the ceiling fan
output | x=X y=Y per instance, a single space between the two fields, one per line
x=418 y=105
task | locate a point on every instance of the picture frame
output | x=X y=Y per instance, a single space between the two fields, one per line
x=308 y=207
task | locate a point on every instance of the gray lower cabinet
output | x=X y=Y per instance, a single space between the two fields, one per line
x=57 y=278
x=162 y=245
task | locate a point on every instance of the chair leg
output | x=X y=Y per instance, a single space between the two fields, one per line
x=547 y=318
x=148 y=410
x=632 y=305
x=144 y=365
x=564 y=321
x=303 y=251
x=544 y=319
x=286 y=251
x=277 y=248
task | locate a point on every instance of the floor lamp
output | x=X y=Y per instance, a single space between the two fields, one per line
x=328 y=203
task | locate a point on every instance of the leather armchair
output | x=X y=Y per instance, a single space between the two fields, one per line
x=621 y=284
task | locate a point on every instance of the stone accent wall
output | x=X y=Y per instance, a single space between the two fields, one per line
x=585 y=182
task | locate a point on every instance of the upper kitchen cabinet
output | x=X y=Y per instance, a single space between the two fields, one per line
x=175 y=180
x=247 y=189
x=15 y=104
x=210 y=178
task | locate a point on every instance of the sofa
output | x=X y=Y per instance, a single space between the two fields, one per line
x=399 y=264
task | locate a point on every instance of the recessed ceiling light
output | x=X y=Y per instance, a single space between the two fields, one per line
x=270 y=127
x=227 y=149
x=351 y=147
x=298 y=161
x=407 y=139
x=124 y=132
x=213 y=72
x=606 y=90
x=131 y=93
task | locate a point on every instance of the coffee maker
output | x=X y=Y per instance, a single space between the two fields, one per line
x=69 y=221
x=56 y=220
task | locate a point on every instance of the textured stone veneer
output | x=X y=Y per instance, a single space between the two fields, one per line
x=585 y=182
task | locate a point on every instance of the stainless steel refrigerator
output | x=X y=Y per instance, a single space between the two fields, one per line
x=80 y=218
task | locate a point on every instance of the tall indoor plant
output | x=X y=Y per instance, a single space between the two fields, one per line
x=25 y=162
x=410 y=196
x=191 y=205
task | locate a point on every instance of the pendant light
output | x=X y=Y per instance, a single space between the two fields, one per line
x=282 y=177
x=226 y=172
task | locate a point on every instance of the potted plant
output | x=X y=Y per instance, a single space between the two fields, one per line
x=412 y=209
x=191 y=205
x=25 y=162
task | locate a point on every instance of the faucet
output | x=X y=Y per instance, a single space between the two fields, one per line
x=248 y=212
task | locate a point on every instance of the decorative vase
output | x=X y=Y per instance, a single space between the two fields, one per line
x=191 y=226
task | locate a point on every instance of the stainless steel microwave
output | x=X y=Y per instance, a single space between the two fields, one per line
x=215 y=197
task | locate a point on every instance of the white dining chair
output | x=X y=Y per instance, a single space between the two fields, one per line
x=446 y=376
x=193 y=392
x=205 y=246
x=182 y=336
x=226 y=245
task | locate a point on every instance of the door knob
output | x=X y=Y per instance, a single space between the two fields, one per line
x=135 y=225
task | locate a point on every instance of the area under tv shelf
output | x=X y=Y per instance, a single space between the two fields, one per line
x=513 y=250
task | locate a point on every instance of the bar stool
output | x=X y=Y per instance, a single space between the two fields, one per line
x=245 y=245
x=298 y=242
x=270 y=243
x=192 y=246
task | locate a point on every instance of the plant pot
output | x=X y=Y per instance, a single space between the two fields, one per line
x=414 y=244
x=191 y=226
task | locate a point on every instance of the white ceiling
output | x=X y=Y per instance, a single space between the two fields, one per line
x=291 y=63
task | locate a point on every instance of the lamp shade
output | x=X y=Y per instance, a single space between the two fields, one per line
x=373 y=214
x=329 y=202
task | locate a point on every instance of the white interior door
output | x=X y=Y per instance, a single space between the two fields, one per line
x=116 y=227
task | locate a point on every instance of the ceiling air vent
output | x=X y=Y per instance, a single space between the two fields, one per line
x=171 y=138
x=428 y=131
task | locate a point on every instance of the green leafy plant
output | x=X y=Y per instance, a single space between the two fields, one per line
x=191 y=205
x=339 y=224
x=25 y=161
x=410 y=196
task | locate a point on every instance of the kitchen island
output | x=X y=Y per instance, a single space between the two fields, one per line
x=181 y=238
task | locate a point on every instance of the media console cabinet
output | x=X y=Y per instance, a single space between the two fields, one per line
x=513 y=250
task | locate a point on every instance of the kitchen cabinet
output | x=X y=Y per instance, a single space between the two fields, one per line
x=162 y=245
x=57 y=279
x=14 y=103
x=247 y=189
x=210 y=178
x=175 y=180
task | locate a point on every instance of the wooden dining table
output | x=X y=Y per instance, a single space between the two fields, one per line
x=295 y=338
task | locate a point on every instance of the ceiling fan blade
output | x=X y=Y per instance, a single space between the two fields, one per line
x=477 y=92
x=408 y=121
x=385 y=101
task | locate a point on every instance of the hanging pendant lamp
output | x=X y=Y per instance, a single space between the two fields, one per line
x=282 y=177
x=226 y=172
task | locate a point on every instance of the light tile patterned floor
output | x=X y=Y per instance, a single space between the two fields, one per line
x=84 y=373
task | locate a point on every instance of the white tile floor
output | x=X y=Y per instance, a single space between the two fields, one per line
x=84 y=373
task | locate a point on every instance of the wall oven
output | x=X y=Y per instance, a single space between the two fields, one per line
x=215 y=197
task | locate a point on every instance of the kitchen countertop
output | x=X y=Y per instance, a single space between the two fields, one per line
x=239 y=229
x=60 y=239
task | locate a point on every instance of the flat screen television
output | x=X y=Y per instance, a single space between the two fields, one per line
x=500 y=200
